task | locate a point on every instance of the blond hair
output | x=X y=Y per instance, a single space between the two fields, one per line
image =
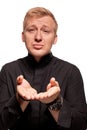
x=38 y=12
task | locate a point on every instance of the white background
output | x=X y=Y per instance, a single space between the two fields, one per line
x=72 y=33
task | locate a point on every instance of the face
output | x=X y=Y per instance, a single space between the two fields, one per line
x=39 y=36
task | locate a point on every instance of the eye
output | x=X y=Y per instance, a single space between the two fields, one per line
x=46 y=30
x=30 y=29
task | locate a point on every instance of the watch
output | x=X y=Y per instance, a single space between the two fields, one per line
x=56 y=104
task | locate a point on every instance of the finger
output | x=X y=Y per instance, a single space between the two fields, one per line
x=42 y=95
x=49 y=86
x=19 y=79
x=53 y=81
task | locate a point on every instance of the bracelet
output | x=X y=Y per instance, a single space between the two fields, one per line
x=56 y=104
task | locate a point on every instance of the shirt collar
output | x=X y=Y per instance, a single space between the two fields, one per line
x=44 y=60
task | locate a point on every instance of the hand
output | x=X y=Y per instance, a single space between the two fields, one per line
x=24 y=89
x=52 y=92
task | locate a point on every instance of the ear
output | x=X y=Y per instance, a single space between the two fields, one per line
x=22 y=36
x=56 y=39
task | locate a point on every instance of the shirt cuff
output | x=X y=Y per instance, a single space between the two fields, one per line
x=64 y=118
x=14 y=107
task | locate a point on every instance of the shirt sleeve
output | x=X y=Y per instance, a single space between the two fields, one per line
x=10 y=110
x=73 y=112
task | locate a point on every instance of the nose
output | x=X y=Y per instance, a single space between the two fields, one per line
x=38 y=36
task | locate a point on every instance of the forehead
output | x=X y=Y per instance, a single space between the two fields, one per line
x=46 y=20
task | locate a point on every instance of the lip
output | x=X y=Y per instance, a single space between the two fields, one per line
x=37 y=46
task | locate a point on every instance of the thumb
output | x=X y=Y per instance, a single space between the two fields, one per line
x=19 y=79
x=52 y=81
x=49 y=86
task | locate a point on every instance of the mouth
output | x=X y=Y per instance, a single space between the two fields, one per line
x=37 y=46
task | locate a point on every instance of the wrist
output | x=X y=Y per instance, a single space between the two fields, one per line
x=23 y=103
x=56 y=104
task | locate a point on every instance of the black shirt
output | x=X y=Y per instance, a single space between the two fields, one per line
x=37 y=115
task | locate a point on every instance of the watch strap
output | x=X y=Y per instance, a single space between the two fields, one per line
x=56 y=104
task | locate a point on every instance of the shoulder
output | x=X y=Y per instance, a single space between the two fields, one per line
x=65 y=65
x=13 y=64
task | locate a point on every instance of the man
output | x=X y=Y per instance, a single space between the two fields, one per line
x=41 y=91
